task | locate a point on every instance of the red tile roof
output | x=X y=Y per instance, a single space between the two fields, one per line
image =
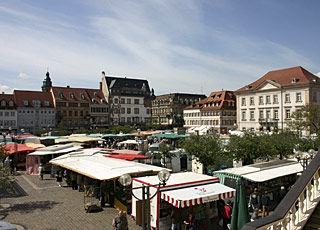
x=7 y=98
x=22 y=95
x=216 y=101
x=284 y=77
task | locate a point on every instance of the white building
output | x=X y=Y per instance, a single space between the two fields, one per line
x=8 y=113
x=129 y=100
x=268 y=103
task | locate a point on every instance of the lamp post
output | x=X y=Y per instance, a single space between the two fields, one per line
x=305 y=158
x=126 y=180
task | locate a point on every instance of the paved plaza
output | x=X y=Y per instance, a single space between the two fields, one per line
x=33 y=204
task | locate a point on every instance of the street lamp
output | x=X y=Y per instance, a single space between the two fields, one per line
x=304 y=158
x=126 y=180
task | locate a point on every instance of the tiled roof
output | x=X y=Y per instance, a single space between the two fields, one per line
x=284 y=77
x=7 y=98
x=216 y=101
x=97 y=95
x=20 y=96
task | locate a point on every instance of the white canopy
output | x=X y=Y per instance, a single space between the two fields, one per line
x=190 y=196
x=55 y=149
x=92 y=163
x=134 y=142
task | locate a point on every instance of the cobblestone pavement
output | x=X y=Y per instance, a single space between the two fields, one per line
x=33 y=204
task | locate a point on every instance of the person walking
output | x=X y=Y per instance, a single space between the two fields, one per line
x=59 y=178
x=79 y=181
x=282 y=193
x=265 y=201
x=254 y=202
x=226 y=215
x=74 y=180
x=120 y=222
x=41 y=171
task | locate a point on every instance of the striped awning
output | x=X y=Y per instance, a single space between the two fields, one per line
x=190 y=196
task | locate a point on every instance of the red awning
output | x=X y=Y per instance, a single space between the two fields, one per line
x=128 y=157
x=12 y=148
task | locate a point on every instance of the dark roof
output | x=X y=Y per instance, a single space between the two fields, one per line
x=7 y=98
x=128 y=86
x=23 y=95
x=97 y=95
x=284 y=77
x=216 y=101
x=183 y=95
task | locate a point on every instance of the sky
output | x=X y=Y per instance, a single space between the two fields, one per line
x=184 y=46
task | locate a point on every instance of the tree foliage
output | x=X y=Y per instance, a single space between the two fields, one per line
x=164 y=152
x=284 y=143
x=206 y=149
x=5 y=180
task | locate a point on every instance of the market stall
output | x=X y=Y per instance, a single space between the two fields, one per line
x=184 y=192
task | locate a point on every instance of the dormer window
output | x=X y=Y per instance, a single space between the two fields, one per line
x=60 y=95
x=96 y=94
x=294 y=80
x=11 y=103
x=94 y=100
x=82 y=96
x=46 y=103
x=36 y=103
x=103 y=101
x=72 y=95
x=3 y=103
x=25 y=103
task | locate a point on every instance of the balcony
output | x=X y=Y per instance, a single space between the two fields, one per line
x=268 y=120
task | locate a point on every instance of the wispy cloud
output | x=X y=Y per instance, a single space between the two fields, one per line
x=6 y=89
x=23 y=76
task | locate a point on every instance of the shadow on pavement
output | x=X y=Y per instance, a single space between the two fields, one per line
x=15 y=191
x=32 y=206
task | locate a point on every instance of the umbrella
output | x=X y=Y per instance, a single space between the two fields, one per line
x=240 y=211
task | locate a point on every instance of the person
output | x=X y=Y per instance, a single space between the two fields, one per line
x=189 y=222
x=282 y=193
x=41 y=171
x=79 y=182
x=74 y=180
x=255 y=215
x=265 y=201
x=175 y=219
x=59 y=178
x=120 y=222
x=226 y=215
x=254 y=201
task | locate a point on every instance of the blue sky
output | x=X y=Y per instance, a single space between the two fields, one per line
x=186 y=46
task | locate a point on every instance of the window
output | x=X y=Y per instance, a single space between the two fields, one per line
x=3 y=103
x=71 y=95
x=123 y=110
x=116 y=100
x=128 y=101
x=60 y=95
x=122 y=119
x=10 y=103
x=129 y=119
x=260 y=100
x=136 y=110
x=288 y=115
x=13 y=114
x=251 y=115
x=136 y=101
x=123 y=101
x=251 y=100
x=275 y=114
x=299 y=99
x=243 y=101
x=25 y=103
x=6 y=114
x=70 y=113
x=128 y=110
x=275 y=99
x=75 y=113
x=268 y=100
x=148 y=111
x=287 y=98
x=268 y=114
x=261 y=114
x=243 y=115
x=46 y=103
x=36 y=103
x=82 y=96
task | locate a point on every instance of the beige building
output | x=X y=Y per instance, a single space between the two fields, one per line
x=216 y=112
x=268 y=103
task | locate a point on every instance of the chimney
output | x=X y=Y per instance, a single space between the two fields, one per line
x=103 y=74
x=68 y=86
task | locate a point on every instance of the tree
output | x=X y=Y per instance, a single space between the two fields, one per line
x=5 y=180
x=205 y=149
x=306 y=118
x=284 y=143
x=165 y=152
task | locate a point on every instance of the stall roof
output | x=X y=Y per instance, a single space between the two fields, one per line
x=170 y=136
x=134 y=142
x=35 y=146
x=56 y=149
x=128 y=157
x=92 y=163
x=265 y=171
x=126 y=151
x=190 y=196
x=20 y=148
x=81 y=139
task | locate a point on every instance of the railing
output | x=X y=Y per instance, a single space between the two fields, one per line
x=297 y=206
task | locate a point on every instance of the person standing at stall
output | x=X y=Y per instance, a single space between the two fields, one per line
x=226 y=215
x=41 y=170
x=120 y=222
x=282 y=193
x=189 y=222
x=254 y=201
x=175 y=219
x=59 y=178
x=265 y=201
x=79 y=181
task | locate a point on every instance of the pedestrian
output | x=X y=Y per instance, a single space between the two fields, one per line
x=120 y=222
x=226 y=215
x=41 y=171
x=73 y=180
x=79 y=181
x=189 y=222
x=175 y=219
x=265 y=201
x=59 y=178
x=254 y=200
x=282 y=193
x=255 y=215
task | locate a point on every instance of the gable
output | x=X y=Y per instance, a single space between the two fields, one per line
x=267 y=85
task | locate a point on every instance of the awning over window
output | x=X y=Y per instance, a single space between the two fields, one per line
x=186 y=197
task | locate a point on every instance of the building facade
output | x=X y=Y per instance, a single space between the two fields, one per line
x=268 y=103
x=129 y=100
x=168 y=107
x=8 y=113
x=216 y=112
x=35 y=111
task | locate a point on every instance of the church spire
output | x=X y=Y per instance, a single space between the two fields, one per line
x=47 y=83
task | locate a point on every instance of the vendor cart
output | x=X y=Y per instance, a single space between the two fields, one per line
x=91 y=199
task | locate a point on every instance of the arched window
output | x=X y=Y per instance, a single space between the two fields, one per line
x=71 y=95
x=3 y=103
x=82 y=96
x=11 y=103
x=60 y=95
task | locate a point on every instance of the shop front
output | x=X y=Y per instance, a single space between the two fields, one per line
x=184 y=193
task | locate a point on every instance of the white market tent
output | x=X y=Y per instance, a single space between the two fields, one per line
x=79 y=139
x=92 y=163
x=262 y=172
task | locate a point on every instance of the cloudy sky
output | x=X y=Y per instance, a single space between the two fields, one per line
x=186 y=46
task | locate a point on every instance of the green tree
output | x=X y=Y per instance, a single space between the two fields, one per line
x=5 y=180
x=205 y=149
x=164 y=152
x=284 y=143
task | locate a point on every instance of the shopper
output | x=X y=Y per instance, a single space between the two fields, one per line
x=265 y=201
x=59 y=178
x=41 y=171
x=120 y=222
x=226 y=215
x=189 y=222
x=73 y=180
x=254 y=201
x=79 y=182
x=175 y=219
x=282 y=193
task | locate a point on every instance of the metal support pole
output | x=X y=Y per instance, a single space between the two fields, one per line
x=143 y=207
x=148 y=207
